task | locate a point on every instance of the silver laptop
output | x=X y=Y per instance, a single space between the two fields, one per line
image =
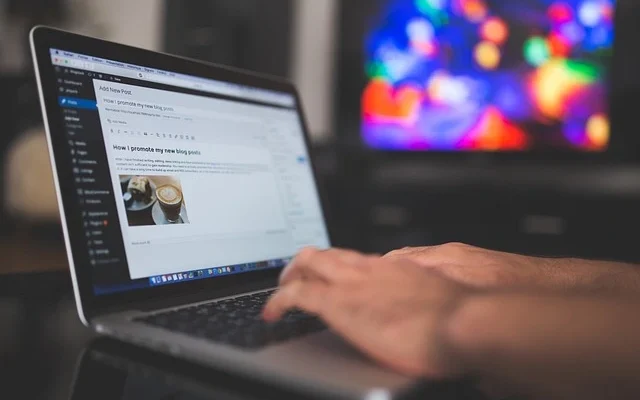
x=184 y=189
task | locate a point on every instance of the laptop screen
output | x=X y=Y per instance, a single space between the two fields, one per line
x=180 y=178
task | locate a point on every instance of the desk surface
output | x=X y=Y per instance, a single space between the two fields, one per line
x=46 y=346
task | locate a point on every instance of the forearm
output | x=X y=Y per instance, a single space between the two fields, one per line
x=592 y=276
x=550 y=347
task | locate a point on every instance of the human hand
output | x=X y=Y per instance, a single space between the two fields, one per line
x=391 y=309
x=485 y=268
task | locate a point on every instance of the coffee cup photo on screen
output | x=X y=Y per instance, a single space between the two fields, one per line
x=153 y=200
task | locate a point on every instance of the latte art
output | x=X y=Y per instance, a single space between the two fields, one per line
x=169 y=194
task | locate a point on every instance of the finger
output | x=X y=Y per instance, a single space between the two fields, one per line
x=304 y=295
x=328 y=265
x=316 y=298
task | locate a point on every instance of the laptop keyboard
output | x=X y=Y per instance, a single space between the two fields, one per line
x=236 y=322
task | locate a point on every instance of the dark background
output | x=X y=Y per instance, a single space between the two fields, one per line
x=546 y=205
x=550 y=206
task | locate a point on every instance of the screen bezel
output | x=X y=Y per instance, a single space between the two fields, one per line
x=351 y=81
x=45 y=38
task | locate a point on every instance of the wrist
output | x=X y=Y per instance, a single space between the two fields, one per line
x=598 y=276
x=612 y=276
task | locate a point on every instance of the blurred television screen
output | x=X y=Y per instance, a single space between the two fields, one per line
x=488 y=75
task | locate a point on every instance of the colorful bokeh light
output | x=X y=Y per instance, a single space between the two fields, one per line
x=434 y=10
x=473 y=10
x=590 y=13
x=536 y=51
x=447 y=75
x=560 y=13
x=487 y=55
x=384 y=104
x=444 y=89
x=556 y=81
x=598 y=130
x=558 y=46
x=495 y=30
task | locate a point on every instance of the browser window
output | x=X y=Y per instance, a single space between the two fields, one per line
x=204 y=178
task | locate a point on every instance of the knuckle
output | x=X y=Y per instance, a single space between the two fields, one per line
x=457 y=245
x=338 y=253
x=454 y=247
x=402 y=252
x=306 y=252
x=393 y=253
x=305 y=255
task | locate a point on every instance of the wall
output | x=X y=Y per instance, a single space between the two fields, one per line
x=138 y=23
x=314 y=61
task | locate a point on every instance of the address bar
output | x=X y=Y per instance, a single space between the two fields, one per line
x=221 y=89
x=216 y=89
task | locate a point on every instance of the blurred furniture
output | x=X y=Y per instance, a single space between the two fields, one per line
x=26 y=254
x=35 y=244
x=29 y=189
x=588 y=212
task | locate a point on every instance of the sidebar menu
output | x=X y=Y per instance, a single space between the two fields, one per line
x=92 y=180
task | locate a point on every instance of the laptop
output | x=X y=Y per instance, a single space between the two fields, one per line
x=184 y=188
